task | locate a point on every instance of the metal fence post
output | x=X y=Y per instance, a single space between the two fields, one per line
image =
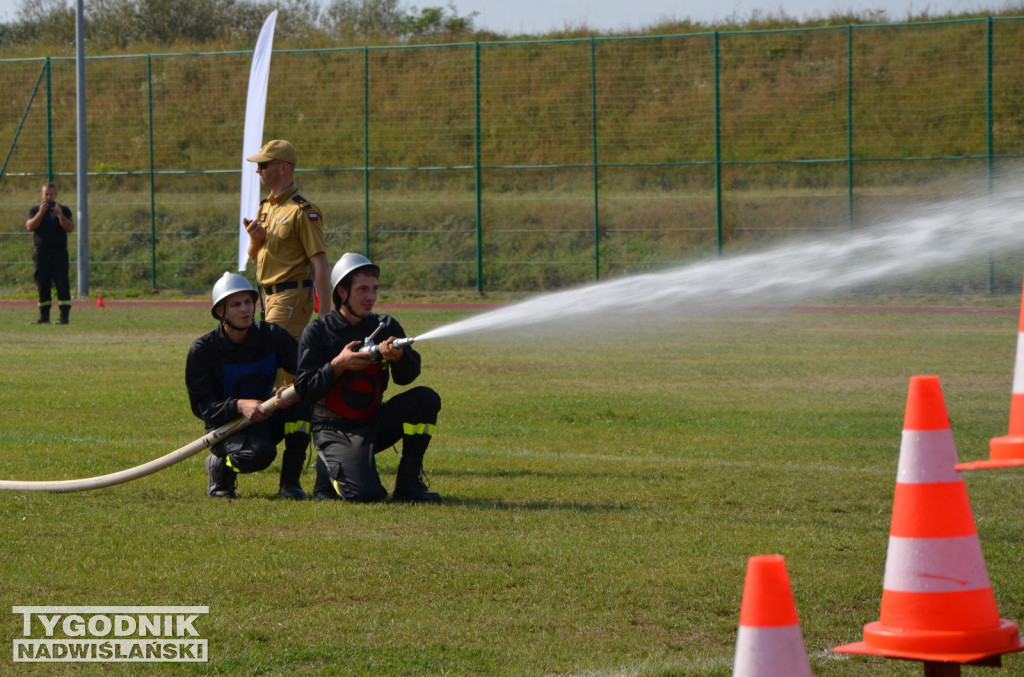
x=152 y=169
x=366 y=151
x=593 y=123
x=478 y=170
x=83 y=156
x=849 y=127
x=989 y=141
x=49 y=122
x=718 y=142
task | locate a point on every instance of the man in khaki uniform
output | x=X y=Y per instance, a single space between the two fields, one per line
x=286 y=241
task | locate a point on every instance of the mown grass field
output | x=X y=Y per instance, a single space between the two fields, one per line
x=604 y=489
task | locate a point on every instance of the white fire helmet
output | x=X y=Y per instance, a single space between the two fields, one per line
x=228 y=284
x=347 y=264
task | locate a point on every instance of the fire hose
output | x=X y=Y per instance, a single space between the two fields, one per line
x=206 y=441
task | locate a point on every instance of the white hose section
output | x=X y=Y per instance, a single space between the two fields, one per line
x=204 y=442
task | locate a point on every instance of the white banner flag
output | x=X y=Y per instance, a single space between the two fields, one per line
x=255 y=107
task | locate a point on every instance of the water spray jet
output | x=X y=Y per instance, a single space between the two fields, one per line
x=934 y=236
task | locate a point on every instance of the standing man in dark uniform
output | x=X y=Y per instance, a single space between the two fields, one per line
x=230 y=372
x=286 y=242
x=50 y=222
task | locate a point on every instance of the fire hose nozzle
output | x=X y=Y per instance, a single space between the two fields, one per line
x=374 y=348
x=369 y=346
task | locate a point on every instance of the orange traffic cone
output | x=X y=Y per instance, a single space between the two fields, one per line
x=1008 y=450
x=937 y=602
x=100 y=303
x=769 y=643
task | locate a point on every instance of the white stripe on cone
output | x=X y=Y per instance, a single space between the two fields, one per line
x=927 y=457
x=1018 y=366
x=770 y=652
x=935 y=565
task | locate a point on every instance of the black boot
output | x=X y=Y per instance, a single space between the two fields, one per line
x=410 y=484
x=221 y=478
x=324 y=490
x=44 y=314
x=65 y=311
x=291 y=468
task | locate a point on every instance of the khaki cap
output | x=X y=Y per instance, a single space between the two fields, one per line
x=278 y=149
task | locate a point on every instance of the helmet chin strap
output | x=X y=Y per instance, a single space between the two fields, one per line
x=224 y=320
x=235 y=326
x=344 y=302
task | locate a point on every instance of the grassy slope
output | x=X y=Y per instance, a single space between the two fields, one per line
x=604 y=493
x=919 y=91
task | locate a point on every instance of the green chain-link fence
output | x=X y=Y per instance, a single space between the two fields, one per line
x=517 y=166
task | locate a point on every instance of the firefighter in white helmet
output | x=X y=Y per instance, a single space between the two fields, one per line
x=351 y=420
x=230 y=372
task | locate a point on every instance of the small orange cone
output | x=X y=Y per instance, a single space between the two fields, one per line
x=769 y=643
x=1008 y=451
x=100 y=303
x=937 y=601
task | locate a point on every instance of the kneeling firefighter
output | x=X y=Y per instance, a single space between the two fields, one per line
x=344 y=374
x=229 y=372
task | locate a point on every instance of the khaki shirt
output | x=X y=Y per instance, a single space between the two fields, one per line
x=295 y=232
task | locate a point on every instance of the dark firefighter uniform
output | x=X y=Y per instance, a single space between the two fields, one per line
x=50 y=256
x=351 y=421
x=219 y=372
